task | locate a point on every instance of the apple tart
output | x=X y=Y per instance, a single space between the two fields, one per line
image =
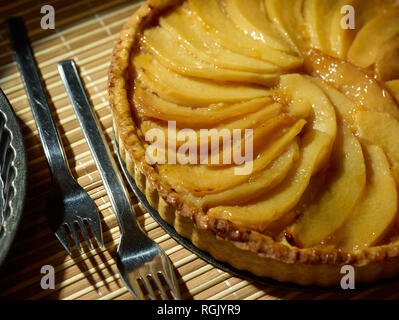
x=319 y=98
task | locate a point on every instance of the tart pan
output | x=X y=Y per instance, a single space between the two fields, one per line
x=13 y=175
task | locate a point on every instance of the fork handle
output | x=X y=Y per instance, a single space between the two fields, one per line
x=37 y=98
x=103 y=158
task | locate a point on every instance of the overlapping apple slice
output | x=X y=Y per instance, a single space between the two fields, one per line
x=223 y=30
x=387 y=60
x=287 y=15
x=366 y=10
x=325 y=163
x=344 y=107
x=381 y=129
x=317 y=14
x=376 y=210
x=324 y=19
x=315 y=150
x=176 y=57
x=351 y=81
x=258 y=184
x=263 y=122
x=197 y=40
x=357 y=225
x=201 y=180
x=333 y=205
x=151 y=105
x=184 y=90
x=340 y=39
x=393 y=87
x=250 y=17
x=364 y=49
x=323 y=117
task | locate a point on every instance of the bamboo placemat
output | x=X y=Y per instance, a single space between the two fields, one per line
x=86 y=31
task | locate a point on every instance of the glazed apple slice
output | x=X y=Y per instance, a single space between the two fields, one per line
x=315 y=149
x=198 y=42
x=258 y=184
x=387 y=60
x=201 y=180
x=176 y=57
x=151 y=105
x=317 y=15
x=222 y=29
x=324 y=20
x=221 y=146
x=350 y=80
x=299 y=88
x=341 y=38
x=366 y=10
x=184 y=90
x=382 y=130
x=299 y=109
x=250 y=17
x=257 y=121
x=323 y=114
x=280 y=200
x=376 y=211
x=335 y=202
x=287 y=15
x=344 y=107
x=263 y=132
x=364 y=49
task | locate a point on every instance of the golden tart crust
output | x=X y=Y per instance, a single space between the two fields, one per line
x=239 y=246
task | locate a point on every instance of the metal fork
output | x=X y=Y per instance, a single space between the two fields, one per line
x=68 y=205
x=139 y=259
